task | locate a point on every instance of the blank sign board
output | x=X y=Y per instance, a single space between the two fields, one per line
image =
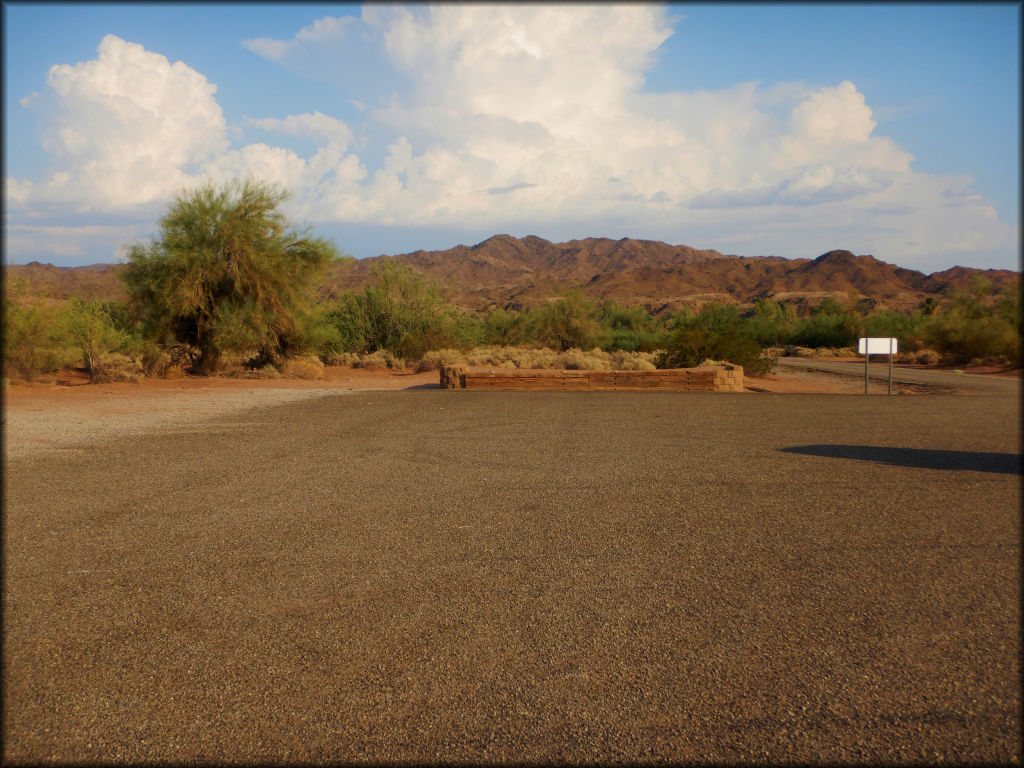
x=877 y=346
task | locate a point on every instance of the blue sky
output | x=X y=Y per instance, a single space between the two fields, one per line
x=752 y=128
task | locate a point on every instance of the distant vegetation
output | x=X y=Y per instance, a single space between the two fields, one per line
x=228 y=283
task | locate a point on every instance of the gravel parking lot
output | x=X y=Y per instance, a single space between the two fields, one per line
x=522 y=576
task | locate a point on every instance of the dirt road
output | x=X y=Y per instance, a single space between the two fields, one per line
x=432 y=575
x=879 y=371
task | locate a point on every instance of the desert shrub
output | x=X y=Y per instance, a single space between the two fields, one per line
x=314 y=334
x=826 y=329
x=302 y=368
x=771 y=322
x=115 y=367
x=978 y=324
x=482 y=355
x=339 y=358
x=636 y=341
x=794 y=350
x=402 y=312
x=514 y=357
x=435 y=359
x=353 y=326
x=543 y=357
x=268 y=371
x=718 y=317
x=502 y=327
x=154 y=359
x=628 y=328
x=380 y=359
x=567 y=322
x=622 y=360
x=688 y=347
x=89 y=325
x=34 y=343
x=578 y=360
x=888 y=324
x=926 y=357
x=536 y=358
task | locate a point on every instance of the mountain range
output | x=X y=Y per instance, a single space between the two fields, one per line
x=509 y=272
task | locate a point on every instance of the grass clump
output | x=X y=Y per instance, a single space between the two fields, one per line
x=439 y=358
x=381 y=359
x=268 y=371
x=115 y=367
x=302 y=368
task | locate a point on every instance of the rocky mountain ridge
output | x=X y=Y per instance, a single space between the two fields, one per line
x=509 y=272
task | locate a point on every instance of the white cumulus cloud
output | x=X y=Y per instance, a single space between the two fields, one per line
x=126 y=127
x=506 y=116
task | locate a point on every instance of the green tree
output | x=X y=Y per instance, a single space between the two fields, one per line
x=772 y=322
x=401 y=312
x=568 y=321
x=718 y=317
x=716 y=332
x=829 y=324
x=90 y=326
x=629 y=328
x=33 y=342
x=977 y=324
x=504 y=327
x=690 y=346
x=226 y=274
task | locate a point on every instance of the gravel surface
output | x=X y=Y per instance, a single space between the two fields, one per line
x=53 y=428
x=522 y=576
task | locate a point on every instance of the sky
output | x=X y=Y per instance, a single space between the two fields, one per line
x=754 y=129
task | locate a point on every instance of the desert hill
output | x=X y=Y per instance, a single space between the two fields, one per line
x=505 y=271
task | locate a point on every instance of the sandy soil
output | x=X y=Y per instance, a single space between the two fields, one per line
x=70 y=412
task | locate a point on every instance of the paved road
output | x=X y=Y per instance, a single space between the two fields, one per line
x=960 y=381
x=527 y=576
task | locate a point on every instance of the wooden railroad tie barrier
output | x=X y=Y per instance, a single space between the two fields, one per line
x=727 y=378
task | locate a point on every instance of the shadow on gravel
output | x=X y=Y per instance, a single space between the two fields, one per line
x=421 y=386
x=978 y=461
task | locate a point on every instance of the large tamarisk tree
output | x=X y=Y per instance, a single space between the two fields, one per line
x=226 y=274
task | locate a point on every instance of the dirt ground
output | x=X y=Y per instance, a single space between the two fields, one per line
x=66 y=411
x=73 y=385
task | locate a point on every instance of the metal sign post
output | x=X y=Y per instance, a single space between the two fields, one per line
x=890 y=370
x=872 y=346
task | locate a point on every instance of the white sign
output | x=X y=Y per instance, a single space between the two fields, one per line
x=877 y=346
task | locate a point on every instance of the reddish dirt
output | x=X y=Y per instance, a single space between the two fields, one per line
x=73 y=388
x=74 y=385
x=804 y=382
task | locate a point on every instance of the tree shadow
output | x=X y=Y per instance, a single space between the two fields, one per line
x=421 y=386
x=977 y=461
